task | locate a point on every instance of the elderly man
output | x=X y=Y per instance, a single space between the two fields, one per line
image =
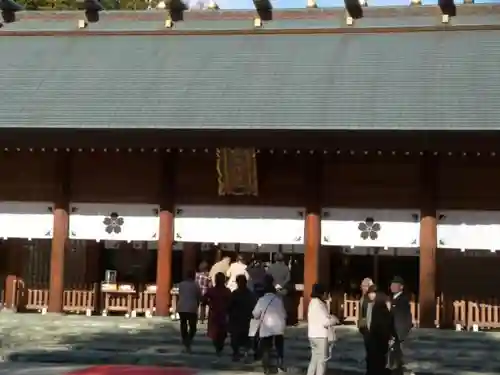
x=363 y=302
x=402 y=323
x=280 y=272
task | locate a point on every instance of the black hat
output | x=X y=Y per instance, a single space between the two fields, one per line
x=372 y=289
x=398 y=280
x=318 y=290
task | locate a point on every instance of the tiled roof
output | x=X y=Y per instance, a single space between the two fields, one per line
x=426 y=81
x=403 y=16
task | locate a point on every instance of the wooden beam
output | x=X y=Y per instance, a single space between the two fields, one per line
x=250 y=31
x=313 y=172
x=428 y=240
x=60 y=230
x=166 y=198
x=400 y=142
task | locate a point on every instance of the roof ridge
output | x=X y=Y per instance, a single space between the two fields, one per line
x=285 y=14
x=254 y=32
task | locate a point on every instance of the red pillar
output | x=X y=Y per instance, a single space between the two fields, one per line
x=166 y=235
x=60 y=231
x=312 y=224
x=428 y=240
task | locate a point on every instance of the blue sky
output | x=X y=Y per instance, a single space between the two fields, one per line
x=248 y=4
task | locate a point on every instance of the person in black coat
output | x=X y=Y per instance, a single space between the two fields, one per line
x=402 y=323
x=377 y=330
x=240 y=310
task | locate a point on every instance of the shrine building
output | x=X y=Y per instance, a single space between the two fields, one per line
x=135 y=147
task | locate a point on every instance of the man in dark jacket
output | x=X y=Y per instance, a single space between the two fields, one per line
x=402 y=323
x=377 y=331
x=240 y=313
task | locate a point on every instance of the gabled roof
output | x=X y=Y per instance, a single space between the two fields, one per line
x=434 y=80
x=402 y=16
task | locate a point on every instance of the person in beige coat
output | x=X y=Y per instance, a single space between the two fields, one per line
x=220 y=267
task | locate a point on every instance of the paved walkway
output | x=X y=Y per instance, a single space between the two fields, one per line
x=100 y=340
x=10 y=368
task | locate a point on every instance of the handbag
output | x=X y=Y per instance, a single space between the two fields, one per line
x=255 y=323
x=394 y=356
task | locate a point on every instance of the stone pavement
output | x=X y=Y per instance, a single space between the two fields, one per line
x=97 y=340
x=9 y=368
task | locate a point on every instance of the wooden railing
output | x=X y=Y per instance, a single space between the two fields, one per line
x=36 y=298
x=482 y=315
x=76 y=298
x=88 y=298
x=467 y=314
x=80 y=298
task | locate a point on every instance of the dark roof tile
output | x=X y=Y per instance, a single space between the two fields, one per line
x=426 y=81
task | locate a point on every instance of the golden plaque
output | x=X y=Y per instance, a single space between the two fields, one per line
x=237 y=171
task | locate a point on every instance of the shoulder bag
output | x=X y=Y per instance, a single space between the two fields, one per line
x=255 y=323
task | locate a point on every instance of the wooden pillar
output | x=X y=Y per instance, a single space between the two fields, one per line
x=312 y=225
x=376 y=262
x=166 y=235
x=93 y=271
x=189 y=258
x=60 y=231
x=428 y=240
x=324 y=266
x=13 y=272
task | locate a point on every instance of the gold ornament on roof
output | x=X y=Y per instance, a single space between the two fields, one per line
x=237 y=171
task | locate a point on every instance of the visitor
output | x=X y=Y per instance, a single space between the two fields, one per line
x=377 y=331
x=280 y=272
x=363 y=306
x=187 y=308
x=217 y=298
x=270 y=315
x=236 y=269
x=402 y=323
x=204 y=282
x=240 y=313
x=320 y=329
x=221 y=266
x=256 y=273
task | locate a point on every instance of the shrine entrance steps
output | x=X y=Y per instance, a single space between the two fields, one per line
x=116 y=340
